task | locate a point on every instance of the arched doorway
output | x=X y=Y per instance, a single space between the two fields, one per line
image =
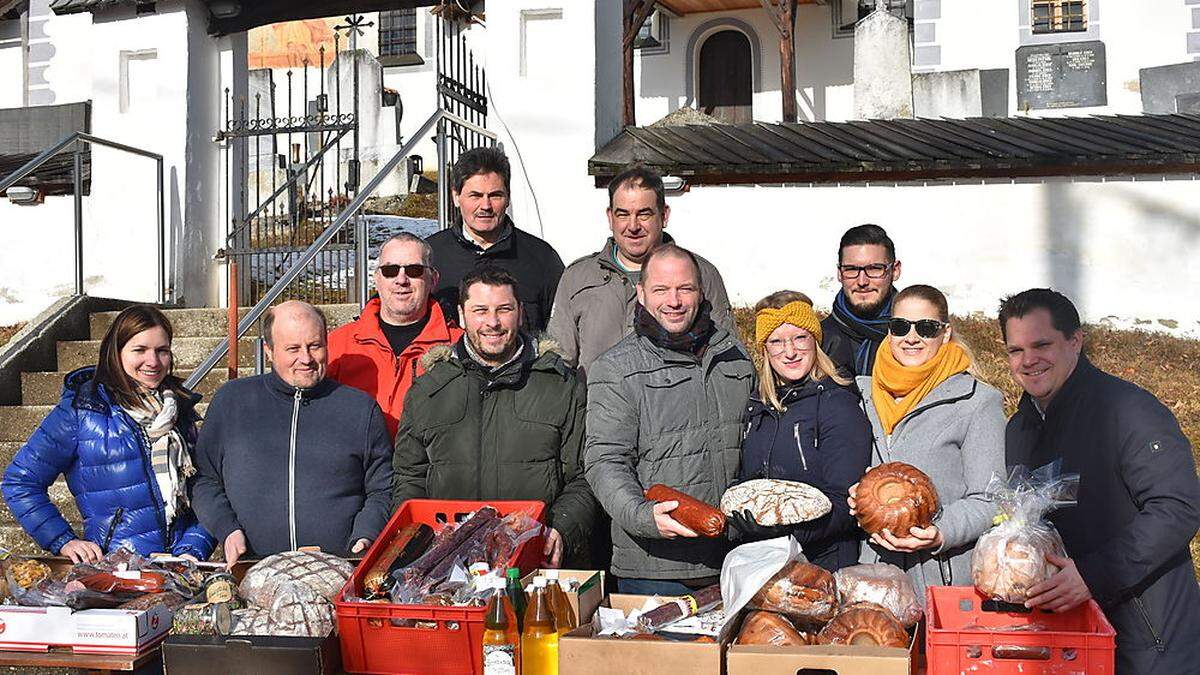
x=725 y=81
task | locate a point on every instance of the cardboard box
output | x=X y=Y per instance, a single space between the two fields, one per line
x=580 y=653
x=250 y=655
x=90 y=631
x=828 y=659
x=586 y=599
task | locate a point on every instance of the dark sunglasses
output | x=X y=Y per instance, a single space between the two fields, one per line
x=413 y=271
x=926 y=328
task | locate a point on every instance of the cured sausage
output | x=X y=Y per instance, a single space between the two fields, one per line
x=407 y=545
x=701 y=518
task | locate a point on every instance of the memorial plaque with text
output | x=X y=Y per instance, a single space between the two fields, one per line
x=1067 y=75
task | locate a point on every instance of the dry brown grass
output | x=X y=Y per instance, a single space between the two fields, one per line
x=1163 y=365
x=7 y=332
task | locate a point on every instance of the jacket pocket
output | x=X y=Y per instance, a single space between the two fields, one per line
x=669 y=403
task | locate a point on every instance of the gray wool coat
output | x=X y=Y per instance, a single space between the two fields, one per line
x=956 y=436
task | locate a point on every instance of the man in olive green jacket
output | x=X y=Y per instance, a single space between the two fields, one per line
x=498 y=416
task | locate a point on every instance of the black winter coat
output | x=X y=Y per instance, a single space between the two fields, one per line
x=1138 y=507
x=534 y=263
x=823 y=439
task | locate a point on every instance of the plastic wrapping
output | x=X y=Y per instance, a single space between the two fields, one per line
x=804 y=592
x=768 y=628
x=1010 y=558
x=864 y=624
x=291 y=594
x=408 y=545
x=703 y=519
x=880 y=584
x=701 y=601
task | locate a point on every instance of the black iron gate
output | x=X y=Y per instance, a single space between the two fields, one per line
x=462 y=90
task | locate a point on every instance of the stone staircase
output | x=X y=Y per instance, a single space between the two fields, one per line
x=197 y=332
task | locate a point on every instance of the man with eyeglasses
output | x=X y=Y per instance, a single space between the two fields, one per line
x=868 y=269
x=594 y=305
x=380 y=351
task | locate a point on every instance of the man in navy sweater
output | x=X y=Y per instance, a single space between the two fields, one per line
x=289 y=458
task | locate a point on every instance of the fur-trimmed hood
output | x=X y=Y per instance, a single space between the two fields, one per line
x=543 y=344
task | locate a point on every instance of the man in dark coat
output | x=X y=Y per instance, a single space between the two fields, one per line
x=498 y=416
x=1139 y=498
x=868 y=269
x=486 y=235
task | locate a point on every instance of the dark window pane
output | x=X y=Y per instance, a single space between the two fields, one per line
x=398 y=32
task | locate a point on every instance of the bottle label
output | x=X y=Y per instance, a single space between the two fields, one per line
x=499 y=660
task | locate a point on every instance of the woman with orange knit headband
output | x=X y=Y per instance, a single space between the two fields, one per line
x=803 y=424
x=928 y=409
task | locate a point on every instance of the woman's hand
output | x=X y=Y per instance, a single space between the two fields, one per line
x=920 y=538
x=81 y=551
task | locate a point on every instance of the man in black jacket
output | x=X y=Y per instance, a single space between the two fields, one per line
x=868 y=269
x=290 y=458
x=1139 y=499
x=485 y=234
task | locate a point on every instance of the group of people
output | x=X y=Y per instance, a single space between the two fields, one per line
x=486 y=370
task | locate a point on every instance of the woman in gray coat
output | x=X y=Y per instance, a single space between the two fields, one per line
x=928 y=409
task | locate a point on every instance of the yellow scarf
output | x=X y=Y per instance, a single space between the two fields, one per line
x=891 y=380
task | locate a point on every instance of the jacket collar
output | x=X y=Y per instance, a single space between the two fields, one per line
x=276 y=385
x=955 y=387
x=368 y=329
x=719 y=346
x=505 y=242
x=604 y=257
x=88 y=394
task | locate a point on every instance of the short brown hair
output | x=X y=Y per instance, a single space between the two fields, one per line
x=109 y=372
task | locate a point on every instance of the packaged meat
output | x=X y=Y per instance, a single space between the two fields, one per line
x=703 y=519
x=680 y=608
x=408 y=544
x=775 y=502
x=458 y=538
x=804 y=592
x=881 y=584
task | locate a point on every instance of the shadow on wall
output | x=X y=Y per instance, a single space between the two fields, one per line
x=1156 y=212
x=175 y=225
x=1064 y=236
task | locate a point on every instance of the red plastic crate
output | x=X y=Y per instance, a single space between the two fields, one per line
x=372 y=644
x=1077 y=642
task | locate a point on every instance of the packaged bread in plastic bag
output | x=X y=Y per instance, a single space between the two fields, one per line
x=880 y=584
x=1010 y=558
x=291 y=593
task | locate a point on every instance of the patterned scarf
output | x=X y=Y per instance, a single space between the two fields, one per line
x=169 y=458
x=870 y=331
x=691 y=341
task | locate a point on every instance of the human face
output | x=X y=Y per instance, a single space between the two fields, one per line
x=670 y=292
x=1040 y=357
x=912 y=350
x=491 y=317
x=482 y=202
x=403 y=299
x=298 y=353
x=636 y=223
x=146 y=358
x=867 y=295
x=791 y=351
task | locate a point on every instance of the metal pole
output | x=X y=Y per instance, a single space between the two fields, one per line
x=78 y=180
x=360 y=267
x=162 y=253
x=443 y=177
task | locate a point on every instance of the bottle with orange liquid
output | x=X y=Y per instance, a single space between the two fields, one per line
x=564 y=617
x=539 y=641
x=501 y=640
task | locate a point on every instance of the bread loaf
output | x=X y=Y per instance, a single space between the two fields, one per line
x=776 y=502
x=864 y=624
x=768 y=628
x=896 y=497
x=1007 y=562
x=881 y=584
x=802 y=591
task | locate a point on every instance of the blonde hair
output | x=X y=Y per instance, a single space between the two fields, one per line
x=938 y=299
x=823 y=366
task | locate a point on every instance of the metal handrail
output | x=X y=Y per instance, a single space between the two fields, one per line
x=77 y=178
x=326 y=236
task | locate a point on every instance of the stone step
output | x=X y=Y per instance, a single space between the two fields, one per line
x=188 y=352
x=46 y=388
x=17 y=422
x=210 y=322
x=60 y=496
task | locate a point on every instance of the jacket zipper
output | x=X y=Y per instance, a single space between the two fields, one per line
x=799 y=445
x=1158 y=643
x=292 y=469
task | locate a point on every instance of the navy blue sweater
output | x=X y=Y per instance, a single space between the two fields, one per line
x=822 y=439
x=329 y=490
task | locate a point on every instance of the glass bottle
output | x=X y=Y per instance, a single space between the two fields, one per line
x=516 y=595
x=501 y=640
x=563 y=615
x=539 y=641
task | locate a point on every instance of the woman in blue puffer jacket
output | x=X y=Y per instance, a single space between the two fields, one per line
x=803 y=424
x=122 y=434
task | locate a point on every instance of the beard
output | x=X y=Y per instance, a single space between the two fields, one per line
x=494 y=355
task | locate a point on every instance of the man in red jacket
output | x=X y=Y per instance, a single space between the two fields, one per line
x=380 y=352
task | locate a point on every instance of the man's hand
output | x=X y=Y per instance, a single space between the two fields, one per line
x=1063 y=591
x=667 y=526
x=81 y=551
x=918 y=539
x=853 y=492
x=360 y=546
x=553 y=550
x=235 y=547
x=189 y=557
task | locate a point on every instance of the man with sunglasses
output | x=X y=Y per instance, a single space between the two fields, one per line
x=868 y=270
x=380 y=351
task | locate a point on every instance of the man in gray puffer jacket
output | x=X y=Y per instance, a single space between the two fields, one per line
x=665 y=406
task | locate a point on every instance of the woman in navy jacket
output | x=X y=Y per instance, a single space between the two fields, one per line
x=122 y=434
x=803 y=424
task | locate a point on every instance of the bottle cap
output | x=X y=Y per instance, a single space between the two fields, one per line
x=539 y=582
x=513 y=573
x=550 y=574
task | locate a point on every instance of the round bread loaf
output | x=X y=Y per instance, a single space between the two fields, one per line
x=768 y=628
x=881 y=584
x=802 y=591
x=864 y=624
x=1006 y=563
x=896 y=497
x=776 y=502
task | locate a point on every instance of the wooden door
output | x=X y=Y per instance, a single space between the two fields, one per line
x=726 y=81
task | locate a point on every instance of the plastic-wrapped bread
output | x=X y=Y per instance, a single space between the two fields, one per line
x=864 y=624
x=769 y=628
x=776 y=502
x=680 y=608
x=802 y=591
x=703 y=519
x=880 y=584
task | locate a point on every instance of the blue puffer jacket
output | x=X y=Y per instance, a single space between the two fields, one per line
x=106 y=459
x=823 y=439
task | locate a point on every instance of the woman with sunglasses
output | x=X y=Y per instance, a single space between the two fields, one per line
x=122 y=434
x=929 y=409
x=803 y=424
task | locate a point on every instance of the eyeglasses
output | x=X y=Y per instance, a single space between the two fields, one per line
x=800 y=343
x=876 y=271
x=412 y=271
x=926 y=328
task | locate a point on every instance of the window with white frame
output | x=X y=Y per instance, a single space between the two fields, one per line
x=1059 y=16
